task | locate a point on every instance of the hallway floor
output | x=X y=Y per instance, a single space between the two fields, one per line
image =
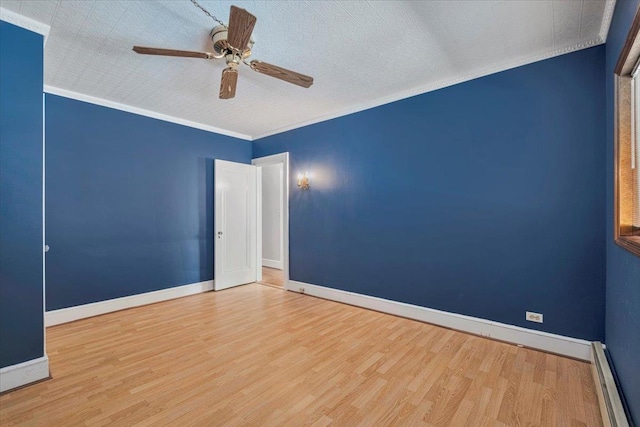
x=272 y=276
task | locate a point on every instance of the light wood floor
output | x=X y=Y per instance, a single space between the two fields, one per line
x=255 y=355
x=272 y=276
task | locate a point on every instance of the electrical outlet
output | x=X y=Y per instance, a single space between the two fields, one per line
x=534 y=317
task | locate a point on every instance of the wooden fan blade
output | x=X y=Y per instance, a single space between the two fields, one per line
x=228 y=83
x=241 y=25
x=282 y=73
x=171 y=52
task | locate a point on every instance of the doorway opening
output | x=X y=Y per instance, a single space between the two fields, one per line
x=274 y=236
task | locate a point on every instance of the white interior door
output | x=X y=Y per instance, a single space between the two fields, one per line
x=236 y=224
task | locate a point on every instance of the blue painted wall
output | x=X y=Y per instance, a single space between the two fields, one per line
x=21 y=314
x=623 y=268
x=129 y=202
x=484 y=198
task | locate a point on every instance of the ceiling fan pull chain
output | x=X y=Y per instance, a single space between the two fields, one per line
x=206 y=12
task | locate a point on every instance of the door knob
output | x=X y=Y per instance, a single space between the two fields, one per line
x=219 y=234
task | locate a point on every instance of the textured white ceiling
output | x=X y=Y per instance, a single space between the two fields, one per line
x=361 y=53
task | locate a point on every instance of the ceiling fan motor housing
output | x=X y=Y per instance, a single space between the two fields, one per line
x=219 y=36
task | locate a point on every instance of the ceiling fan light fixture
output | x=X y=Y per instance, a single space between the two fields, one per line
x=219 y=39
x=226 y=40
x=232 y=59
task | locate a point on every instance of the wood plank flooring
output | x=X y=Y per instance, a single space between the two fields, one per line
x=272 y=276
x=259 y=356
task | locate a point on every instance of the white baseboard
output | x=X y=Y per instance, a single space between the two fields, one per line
x=64 y=315
x=611 y=408
x=24 y=373
x=271 y=263
x=559 y=344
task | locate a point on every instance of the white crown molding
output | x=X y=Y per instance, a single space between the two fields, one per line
x=559 y=344
x=40 y=28
x=606 y=19
x=142 y=112
x=24 y=22
x=24 y=373
x=65 y=315
x=419 y=90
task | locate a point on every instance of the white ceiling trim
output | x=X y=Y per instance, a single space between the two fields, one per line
x=439 y=85
x=606 y=19
x=24 y=22
x=44 y=29
x=135 y=110
x=36 y=26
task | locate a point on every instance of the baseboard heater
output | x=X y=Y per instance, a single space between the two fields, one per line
x=610 y=403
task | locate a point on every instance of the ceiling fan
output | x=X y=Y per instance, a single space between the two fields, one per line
x=233 y=43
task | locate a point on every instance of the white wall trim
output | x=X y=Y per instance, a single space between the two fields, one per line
x=24 y=373
x=64 y=315
x=140 y=111
x=40 y=28
x=611 y=408
x=271 y=263
x=24 y=22
x=258 y=224
x=419 y=90
x=559 y=344
x=281 y=158
x=44 y=229
x=606 y=20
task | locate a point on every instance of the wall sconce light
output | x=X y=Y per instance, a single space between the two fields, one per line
x=303 y=181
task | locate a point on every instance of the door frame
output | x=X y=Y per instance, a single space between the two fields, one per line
x=275 y=159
